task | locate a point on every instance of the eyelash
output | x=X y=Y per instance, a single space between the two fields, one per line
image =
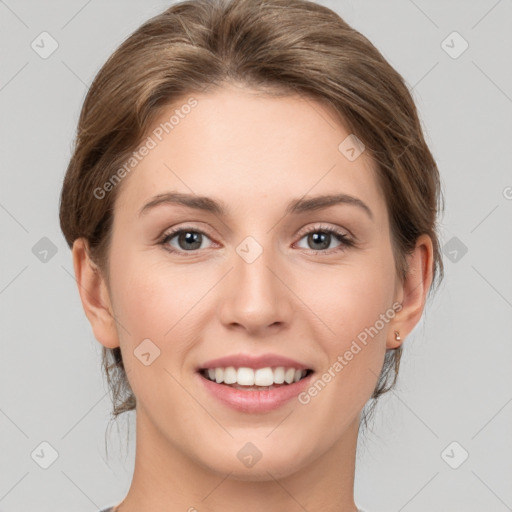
x=340 y=236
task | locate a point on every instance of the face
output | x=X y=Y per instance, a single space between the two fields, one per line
x=269 y=272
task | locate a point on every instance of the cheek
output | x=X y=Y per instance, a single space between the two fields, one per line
x=355 y=302
x=350 y=298
x=151 y=297
x=154 y=301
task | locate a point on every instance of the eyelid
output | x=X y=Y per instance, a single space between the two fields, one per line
x=325 y=227
x=177 y=229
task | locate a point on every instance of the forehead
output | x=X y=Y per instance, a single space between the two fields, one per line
x=244 y=146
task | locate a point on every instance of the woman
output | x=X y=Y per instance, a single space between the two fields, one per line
x=278 y=143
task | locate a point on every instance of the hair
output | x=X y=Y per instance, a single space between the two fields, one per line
x=278 y=47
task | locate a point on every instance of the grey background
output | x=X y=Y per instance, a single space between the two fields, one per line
x=456 y=380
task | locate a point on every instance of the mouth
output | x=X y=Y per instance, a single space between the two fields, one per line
x=252 y=379
x=254 y=390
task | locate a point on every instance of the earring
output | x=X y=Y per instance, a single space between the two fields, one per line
x=397 y=336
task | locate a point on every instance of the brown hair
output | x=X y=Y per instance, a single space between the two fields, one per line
x=278 y=47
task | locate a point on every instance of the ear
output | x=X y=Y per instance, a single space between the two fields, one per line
x=94 y=295
x=412 y=293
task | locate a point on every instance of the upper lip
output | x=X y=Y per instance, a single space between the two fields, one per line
x=250 y=361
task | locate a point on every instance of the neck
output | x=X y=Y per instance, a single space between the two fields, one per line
x=166 y=479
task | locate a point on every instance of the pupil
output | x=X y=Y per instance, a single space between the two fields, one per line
x=323 y=238
x=191 y=238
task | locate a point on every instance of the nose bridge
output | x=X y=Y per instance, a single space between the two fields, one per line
x=255 y=298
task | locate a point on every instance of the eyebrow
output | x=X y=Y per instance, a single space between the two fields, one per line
x=218 y=207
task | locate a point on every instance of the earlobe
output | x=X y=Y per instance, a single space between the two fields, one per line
x=94 y=295
x=414 y=291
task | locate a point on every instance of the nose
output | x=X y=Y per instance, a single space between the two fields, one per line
x=255 y=296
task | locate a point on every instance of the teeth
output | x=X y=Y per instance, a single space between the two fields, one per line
x=249 y=377
x=230 y=375
x=279 y=375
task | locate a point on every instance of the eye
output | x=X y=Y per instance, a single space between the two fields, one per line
x=188 y=239
x=320 y=238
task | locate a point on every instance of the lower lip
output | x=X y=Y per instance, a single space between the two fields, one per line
x=254 y=401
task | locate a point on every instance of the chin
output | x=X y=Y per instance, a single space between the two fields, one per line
x=268 y=467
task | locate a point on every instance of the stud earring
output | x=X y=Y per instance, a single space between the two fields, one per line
x=397 y=336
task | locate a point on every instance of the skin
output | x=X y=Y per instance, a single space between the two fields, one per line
x=255 y=153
